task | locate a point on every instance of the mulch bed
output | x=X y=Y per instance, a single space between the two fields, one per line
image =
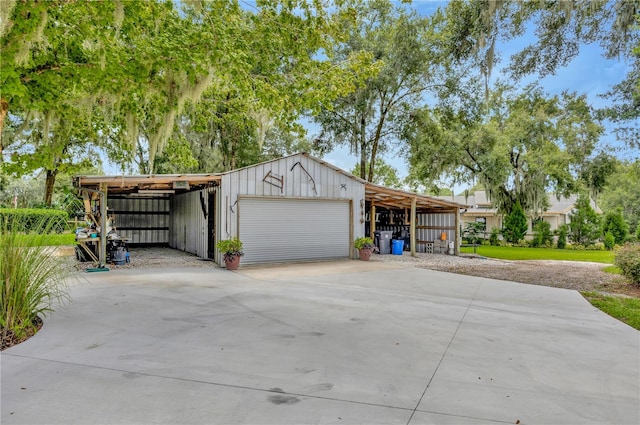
x=9 y=339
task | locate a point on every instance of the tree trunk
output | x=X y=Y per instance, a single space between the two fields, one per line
x=376 y=142
x=48 y=186
x=363 y=148
x=4 y=109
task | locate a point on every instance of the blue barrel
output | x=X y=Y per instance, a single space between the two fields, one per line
x=397 y=245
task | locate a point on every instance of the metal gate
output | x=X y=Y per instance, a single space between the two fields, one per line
x=286 y=229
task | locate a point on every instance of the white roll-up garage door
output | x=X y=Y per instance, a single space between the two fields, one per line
x=286 y=229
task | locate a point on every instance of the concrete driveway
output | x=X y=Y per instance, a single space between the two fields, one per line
x=343 y=343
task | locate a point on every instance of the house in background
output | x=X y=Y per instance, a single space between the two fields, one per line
x=481 y=211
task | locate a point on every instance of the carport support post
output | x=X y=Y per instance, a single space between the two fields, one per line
x=372 y=221
x=412 y=226
x=456 y=245
x=103 y=225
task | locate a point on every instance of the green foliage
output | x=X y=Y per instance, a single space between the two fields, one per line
x=123 y=76
x=562 y=28
x=411 y=63
x=384 y=175
x=609 y=241
x=627 y=258
x=494 y=237
x=364 y=242
x=625 y=309
x=517 y=144
x=230 y=248
x=515 y=225
x=474 y=232
x=542 y=235
x=32 y=278
x=33 y=220
x=614 y=223
x=563 y=232
x=526 y=253
x=622 y=192
x=584 y=228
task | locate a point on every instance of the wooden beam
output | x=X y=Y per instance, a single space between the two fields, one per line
x=412 y=226
x=372 y=220
x=457 y=232
x=103 y=225
x=436 y=227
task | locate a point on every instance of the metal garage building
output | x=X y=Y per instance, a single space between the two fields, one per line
x=295 y=208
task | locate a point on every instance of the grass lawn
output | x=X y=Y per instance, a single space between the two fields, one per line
x=520 y=253
x=624 y=309
x=53 y=239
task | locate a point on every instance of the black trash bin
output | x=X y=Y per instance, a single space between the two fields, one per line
x=382 y=239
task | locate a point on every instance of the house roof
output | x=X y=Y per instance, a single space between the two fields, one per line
x=479 y=203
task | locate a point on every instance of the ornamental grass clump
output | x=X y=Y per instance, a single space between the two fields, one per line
x=33 y=281
x=627 y=258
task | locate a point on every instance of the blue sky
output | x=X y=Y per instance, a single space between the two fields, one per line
x=589 y=73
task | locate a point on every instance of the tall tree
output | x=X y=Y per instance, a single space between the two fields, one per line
x=560 y=29
x=59 y=142
x=410 y=51
x=517 y=145
x=621 y=191
x=255 y=66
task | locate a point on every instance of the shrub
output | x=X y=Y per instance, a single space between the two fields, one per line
x=585 y=224
x=33 y=219
x=609 y=241
x=494 y=237
x=562 y=236
x=614 y=223
x=515 y=225
x=474 y=232
x=541 y=234
x=628 y=260
x=32 y=278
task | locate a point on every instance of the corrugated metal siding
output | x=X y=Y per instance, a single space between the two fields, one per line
x=189 y=229
x=436 y=224
x=276 y=229
x=144 y=220
x=286 y=178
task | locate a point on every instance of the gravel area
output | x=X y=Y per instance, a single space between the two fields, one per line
x=151 y=258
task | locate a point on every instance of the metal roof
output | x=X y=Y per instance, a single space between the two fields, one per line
x=175 y=183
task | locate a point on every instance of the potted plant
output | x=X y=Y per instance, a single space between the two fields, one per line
x=365 y=247
x=232 y=251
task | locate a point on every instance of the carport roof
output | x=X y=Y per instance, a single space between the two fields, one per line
x=149 y=183
x=400 y=199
